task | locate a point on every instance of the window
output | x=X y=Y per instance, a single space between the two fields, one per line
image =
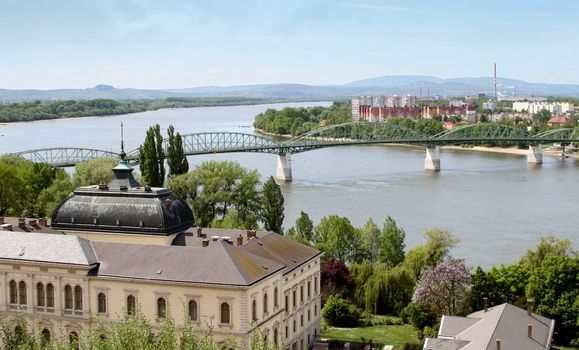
x=275 y=301
x=225 y=317
x=193 y=310
x=49 y=295
x=315 y=310
x=77 y=298
x=253 y=310
x=131 y=305
x=161 y=308
x=68 y=297
x=316 y=285
x=301 y=320
x=101 y=303
x=73 y=338
x=295 y=299
x=265 y=304
x=275 y=336
x=13 y=293
x=309 y=314
x=40 y=297
x=286 y=303
x=45 y=337
x=301 y=294
x=295 y=328
x=286 y=332
x=309 y=289
x=22 y=293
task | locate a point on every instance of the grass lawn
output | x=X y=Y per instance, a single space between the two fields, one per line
x=398 y=335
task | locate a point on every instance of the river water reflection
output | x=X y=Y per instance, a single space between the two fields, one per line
x=494 y=203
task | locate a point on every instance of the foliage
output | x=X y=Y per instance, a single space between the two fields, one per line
x=547 y=246
x=388 y=291
x=371 y=240
x=419 y=314
x=339 y=312
x=152 y=158
x=176 y=158
x=392 y=245
x=437 y=246
x=272 y=206
x=504 y=284
x=51 y=196
x=401 y=336
x=213 y=188
x=543 y=116
x=304 y=227
x=93 y=172
x=444 y=287
x=335 y=279
x=338 y=239
x=554 y=288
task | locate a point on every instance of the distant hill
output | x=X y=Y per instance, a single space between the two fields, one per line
x=393 y=84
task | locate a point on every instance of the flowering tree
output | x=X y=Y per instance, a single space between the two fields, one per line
x=444 y=287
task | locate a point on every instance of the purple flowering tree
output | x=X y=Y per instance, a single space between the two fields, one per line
x=444 y=286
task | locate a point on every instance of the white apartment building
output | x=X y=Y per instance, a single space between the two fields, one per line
x=535 y=107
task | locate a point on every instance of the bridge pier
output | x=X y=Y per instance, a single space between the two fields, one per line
x=284 y=167
x=535 y=155
x=432 y=160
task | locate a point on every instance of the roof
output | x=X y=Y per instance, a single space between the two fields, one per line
x=480 y=330
x=28 y=225
x=559 y=119
x=218 y=263
x=39 y=247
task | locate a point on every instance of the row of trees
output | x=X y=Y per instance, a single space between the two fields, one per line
x=152 y=156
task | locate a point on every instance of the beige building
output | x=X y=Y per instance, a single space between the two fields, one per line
x=121 y=249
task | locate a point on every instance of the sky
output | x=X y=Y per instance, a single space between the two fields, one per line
x=49 y=44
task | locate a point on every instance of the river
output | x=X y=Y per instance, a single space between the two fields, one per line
x=494 y=203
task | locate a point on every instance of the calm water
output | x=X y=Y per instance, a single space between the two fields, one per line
x=494 y=203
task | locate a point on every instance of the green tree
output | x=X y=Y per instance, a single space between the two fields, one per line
x=152 y=158
x=272 y=214
x=176 y=158
x=547 y=246
x=336 y=237
x=93 y=172
x=51 y=196
x=543 y=116
x=554 y=288
x=10 y=185
x=392 y=245
x=304 y=226
x=437 y=247
x=371 y=240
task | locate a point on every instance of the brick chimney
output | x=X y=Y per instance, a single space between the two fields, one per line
x=239 y=240
x=1 y=220
x=6 y=227
x=205 y=243
x=22 y=222
x=529 y=306
x=32 y=222
x=199 y=232
x=251 y=234
x=530 y=330
x=485 y=304
x=498 y=344
x=42 y=222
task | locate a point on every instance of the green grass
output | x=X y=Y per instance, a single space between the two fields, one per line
x=384 y=335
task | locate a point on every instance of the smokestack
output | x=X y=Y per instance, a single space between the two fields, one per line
x=42 y=221
x=240 y=240
x=251 y=234
x=21 y=222
x=199 y=232
x=495 y=79
x=529 y=306
x=205 y=243
x=485 y=304
x=530 y=330
x=498 y=344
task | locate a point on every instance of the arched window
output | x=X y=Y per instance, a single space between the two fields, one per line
x=45 y=336
x=68 y=297
x=161 y=308
x=101 y=303
x=225 y=317
x=275 y=336
x=265 y=303
x=49 y=295
x=22 y=293
x=131 y=305
x=254 y=310
x=78 y=298
x=73 y=338
x=193 y=310
x=275 y=302
x=13 y=293
x=40 y=297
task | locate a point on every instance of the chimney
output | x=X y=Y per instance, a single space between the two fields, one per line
x=147 y=188
x=530 y=330
x=485 y=304
x=529 y=306
x=32 y=222
x=103 y=187
x=1 y=220
x=42 y=222
x=199 y=232
x=205 y=243
x=251 y=234
x=21 y=222
x=6 y=227
x=123 y=188
x=239 y=240
x=498 y=344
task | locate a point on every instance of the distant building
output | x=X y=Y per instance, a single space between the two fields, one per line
x=535 y=107
x=490 y=105
x=505 y=327
x=558 y=120
x=379 y=108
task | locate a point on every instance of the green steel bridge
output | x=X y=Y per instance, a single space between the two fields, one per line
x=330 y=136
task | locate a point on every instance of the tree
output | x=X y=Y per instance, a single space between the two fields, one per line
x=335 y=279
x=392 y=245
x=554 y=288
x=152 y=158
x=272 y=206
x=10 y=183
x=304 y=226
x=543 y=116
x=337 y=238
x=444 y=287
x=437 y=246
x=51 y=196
x=547 y=246
x=93 y=172
x=371 y=240
x=388 y=291
x=176 y=158
x=340 y=313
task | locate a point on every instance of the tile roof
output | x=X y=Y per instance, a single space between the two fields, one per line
x=44 y=248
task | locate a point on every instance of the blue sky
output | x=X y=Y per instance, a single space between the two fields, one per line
x=174 y=44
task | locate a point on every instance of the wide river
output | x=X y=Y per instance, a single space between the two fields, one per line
x=494 y=203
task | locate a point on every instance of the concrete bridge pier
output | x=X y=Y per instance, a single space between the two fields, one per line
x=535 y=155
x=284 y=167
x=432 y=160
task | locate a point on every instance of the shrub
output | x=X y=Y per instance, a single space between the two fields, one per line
x=339 y=312
x=419 y=315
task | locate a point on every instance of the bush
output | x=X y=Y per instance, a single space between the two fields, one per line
x=419 y=314
x=340 y=313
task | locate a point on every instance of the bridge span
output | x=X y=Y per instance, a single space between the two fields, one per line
x=331 y=136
